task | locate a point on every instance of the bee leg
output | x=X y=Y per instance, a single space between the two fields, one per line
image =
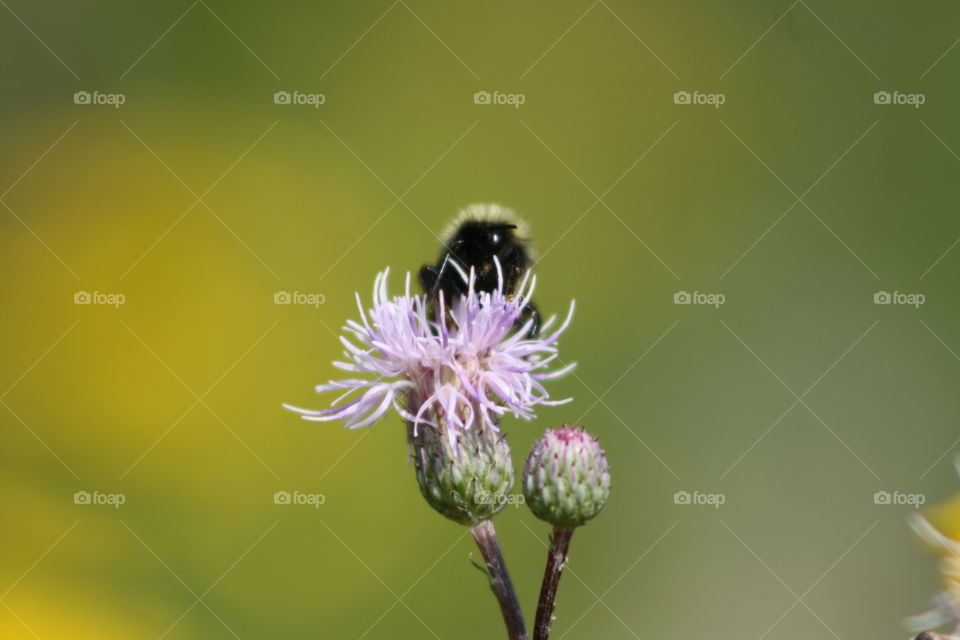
x=429 y=276
x=532 y=315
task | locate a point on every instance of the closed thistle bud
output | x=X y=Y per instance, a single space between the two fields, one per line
x=464 y=474
x=566 y=480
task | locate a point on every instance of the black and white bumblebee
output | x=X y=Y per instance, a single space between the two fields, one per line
x=479 y=234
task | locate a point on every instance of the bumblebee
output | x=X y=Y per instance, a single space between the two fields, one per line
x=478 y=234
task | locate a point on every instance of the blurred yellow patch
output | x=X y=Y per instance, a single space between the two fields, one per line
x=945 y=518
x=66 y=613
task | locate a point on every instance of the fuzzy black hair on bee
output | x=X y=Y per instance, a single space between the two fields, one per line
x=480 y=233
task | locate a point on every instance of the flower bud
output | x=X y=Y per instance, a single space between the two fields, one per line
x=464 y=474
x=566 y=480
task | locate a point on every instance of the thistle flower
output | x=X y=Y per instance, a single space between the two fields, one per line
x=467 y=367
x=946 y=605
x=566 y=480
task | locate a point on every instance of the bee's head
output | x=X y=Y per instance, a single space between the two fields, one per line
x=500 y=234
x=482 y=237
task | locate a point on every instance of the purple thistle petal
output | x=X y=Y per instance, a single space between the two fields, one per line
x=468 y=366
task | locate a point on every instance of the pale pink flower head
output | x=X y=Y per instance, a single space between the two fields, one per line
x=471 y=364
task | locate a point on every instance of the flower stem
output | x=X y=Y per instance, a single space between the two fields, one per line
x=556 y=561
x=486 y=538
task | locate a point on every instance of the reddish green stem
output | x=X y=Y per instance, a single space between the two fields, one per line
x=556 y=561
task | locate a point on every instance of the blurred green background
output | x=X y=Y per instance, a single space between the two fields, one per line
x=199 y=198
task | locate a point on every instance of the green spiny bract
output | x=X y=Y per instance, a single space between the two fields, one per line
x=464 y=474
x=566 y=480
